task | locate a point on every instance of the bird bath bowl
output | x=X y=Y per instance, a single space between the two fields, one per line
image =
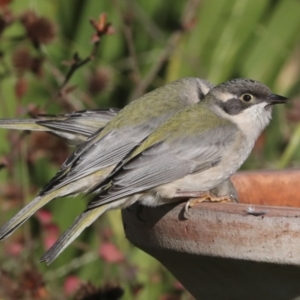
x=244 y=251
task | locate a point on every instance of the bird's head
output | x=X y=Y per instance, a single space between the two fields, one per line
x=245 y=102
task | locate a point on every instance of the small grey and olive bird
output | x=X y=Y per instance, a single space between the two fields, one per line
x=191 y=153
x=75 y=127
x=94 y=159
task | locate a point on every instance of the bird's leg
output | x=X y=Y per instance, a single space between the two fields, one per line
x=199 y=197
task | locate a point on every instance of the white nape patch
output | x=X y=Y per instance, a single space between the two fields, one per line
x=251 y=121
x=204 y=88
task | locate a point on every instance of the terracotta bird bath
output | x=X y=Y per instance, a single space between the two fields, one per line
x=244 y=251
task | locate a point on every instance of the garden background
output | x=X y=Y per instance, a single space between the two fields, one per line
x=145 y=45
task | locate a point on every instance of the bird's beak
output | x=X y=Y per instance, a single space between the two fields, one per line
x=276 y=99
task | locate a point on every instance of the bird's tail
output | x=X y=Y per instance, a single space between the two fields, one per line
x=74 y=130
x=19 y=124
x=26 y=212
x=83 y=221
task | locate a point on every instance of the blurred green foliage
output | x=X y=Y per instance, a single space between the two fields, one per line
x=154 y=42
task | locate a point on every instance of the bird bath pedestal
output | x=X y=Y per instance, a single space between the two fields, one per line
x=244 y=251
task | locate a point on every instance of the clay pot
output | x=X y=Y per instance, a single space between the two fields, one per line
x=249 y=250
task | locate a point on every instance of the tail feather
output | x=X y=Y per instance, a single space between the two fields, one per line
x=19 y=124
x=74 y=131
x=74 y=134
x=83 y=221
x=25 y=213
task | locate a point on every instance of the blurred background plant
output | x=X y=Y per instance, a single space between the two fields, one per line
x=148 y=44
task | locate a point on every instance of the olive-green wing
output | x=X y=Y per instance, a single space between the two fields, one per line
x=165 y=162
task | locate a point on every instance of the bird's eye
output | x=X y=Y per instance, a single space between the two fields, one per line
x=247 y=97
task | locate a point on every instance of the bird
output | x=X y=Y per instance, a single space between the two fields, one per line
x=74 y=127
x=191 y=153
x=94 y=159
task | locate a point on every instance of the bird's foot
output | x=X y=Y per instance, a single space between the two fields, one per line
x=199 y=197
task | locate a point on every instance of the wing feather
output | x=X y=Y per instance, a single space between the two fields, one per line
x=97 y=153
x=166 y=162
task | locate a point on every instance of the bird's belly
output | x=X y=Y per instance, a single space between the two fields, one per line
x=202 y=181
x=198 y=182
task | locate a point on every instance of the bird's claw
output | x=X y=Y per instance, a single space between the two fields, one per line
x=207 y=197
x=186 y=208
